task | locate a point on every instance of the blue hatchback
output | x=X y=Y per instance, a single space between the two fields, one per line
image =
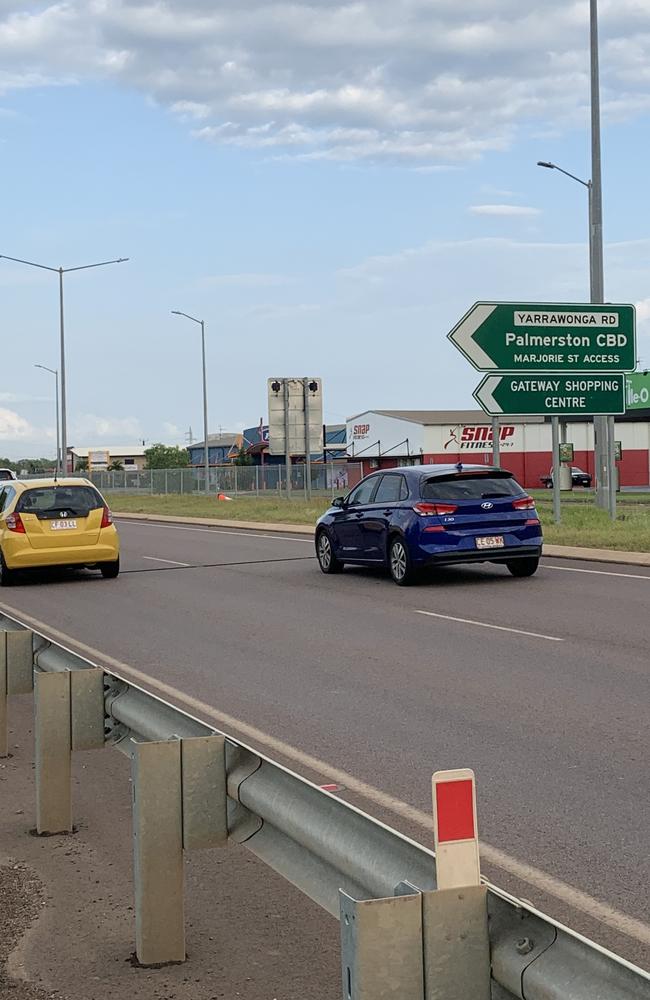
x=430 y=515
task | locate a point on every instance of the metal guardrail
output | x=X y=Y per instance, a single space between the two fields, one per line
x=327 y=848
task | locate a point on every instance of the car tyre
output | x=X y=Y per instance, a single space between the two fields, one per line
x=7 y=576
x=325 y=554
x=523 y=567
x=110 y=570
x=399 y=562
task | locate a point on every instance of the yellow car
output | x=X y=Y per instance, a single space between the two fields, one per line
x=50 y=522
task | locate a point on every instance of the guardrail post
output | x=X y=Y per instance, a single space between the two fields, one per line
x=53 y=752
x=381 y=948
x=16 y=675
x=179 y=801
x=158 y=853
x=68 y=715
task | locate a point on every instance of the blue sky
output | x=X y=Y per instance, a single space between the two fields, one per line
x=330 y=186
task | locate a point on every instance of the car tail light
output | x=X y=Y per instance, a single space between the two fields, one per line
x=15 y=523
x=425 y=509
x=107 y=518
x=526 y=503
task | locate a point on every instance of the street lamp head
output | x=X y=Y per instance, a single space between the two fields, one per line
x=545 y=163
x=176 y=312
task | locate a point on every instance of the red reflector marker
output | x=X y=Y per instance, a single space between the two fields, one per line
x=455 y=829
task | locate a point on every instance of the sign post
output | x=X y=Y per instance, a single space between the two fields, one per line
x=555 y=359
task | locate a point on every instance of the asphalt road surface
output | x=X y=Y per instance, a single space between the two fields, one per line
x=540 y=685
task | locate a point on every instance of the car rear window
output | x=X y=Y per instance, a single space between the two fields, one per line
x=470 y=486
x=46 y=501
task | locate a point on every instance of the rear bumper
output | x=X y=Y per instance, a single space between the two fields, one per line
x=483 y=555
x=84 y=555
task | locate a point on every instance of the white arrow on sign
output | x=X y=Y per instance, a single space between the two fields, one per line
x=484 y=395
x=462 y=336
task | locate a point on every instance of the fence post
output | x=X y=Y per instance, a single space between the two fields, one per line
x=182 y=481
x=257 y=480
x=236 y=480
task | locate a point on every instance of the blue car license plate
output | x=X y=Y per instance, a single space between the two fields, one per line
x=490 y=542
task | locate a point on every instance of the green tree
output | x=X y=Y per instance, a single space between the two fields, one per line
x=81 y=465
x=115 y=466
x=243 y=458
x=163 y=456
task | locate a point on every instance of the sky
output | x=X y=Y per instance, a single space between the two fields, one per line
x=330 y=186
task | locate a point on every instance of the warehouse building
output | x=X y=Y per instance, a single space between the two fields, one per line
x=388 y=438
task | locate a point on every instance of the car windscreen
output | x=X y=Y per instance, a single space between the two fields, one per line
x=6 y=474
x=51 y=501
x=470 y=486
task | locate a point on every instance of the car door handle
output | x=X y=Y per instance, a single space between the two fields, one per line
x=359 y=514
x=389 y=510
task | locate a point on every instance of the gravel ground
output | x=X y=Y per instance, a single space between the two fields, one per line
x=21 y=901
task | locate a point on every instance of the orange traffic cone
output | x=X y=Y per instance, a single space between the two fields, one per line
x=222 y=496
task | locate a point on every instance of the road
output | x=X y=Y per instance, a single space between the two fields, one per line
x=540 y=685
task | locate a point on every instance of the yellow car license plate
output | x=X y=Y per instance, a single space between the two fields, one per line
x=63 y=525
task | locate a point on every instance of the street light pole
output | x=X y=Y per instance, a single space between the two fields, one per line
x=604 y=475
x=206 y=448
x=54 y=372
x=61 y=271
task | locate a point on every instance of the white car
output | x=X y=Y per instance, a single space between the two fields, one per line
x=7 y=474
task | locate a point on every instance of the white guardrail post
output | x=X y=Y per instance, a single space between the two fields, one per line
x=179 y=803
x=414 y=926
x=426 y=945
x=16 y=672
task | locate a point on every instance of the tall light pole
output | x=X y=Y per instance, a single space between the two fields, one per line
x=55 y=372
x=603 y=426
x=206 y=450
x=61 y=271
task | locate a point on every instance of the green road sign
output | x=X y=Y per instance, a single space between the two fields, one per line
x=552 y=395
x=637 y=391
x=547 y=337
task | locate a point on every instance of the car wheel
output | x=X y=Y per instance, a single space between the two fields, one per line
x=7 y=576
x=110 y=569
x=399 y=562
x=325 y=554
x=523 y=567
x=549 y=484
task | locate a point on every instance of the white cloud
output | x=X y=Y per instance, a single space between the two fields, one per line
x=643 y=310
x=92 y=429
x=13 y=427
x=403 y=80
x=511 y=210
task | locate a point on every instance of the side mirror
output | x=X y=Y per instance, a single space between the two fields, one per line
x=338 y=502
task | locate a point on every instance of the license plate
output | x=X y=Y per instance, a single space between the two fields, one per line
x=63 y=525
x=490 y=542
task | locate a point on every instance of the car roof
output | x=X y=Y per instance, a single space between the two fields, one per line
x=28 y=484
x=428 y=471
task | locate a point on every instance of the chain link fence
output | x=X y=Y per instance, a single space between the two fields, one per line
x=327 y=480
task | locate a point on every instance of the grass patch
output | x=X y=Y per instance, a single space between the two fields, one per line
x=241 y=509
x=582 y=524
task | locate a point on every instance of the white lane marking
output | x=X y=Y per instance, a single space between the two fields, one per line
x=216 y=531
x=500 y=628
x=595 y=908
x=597 y=572
x=172 y=562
